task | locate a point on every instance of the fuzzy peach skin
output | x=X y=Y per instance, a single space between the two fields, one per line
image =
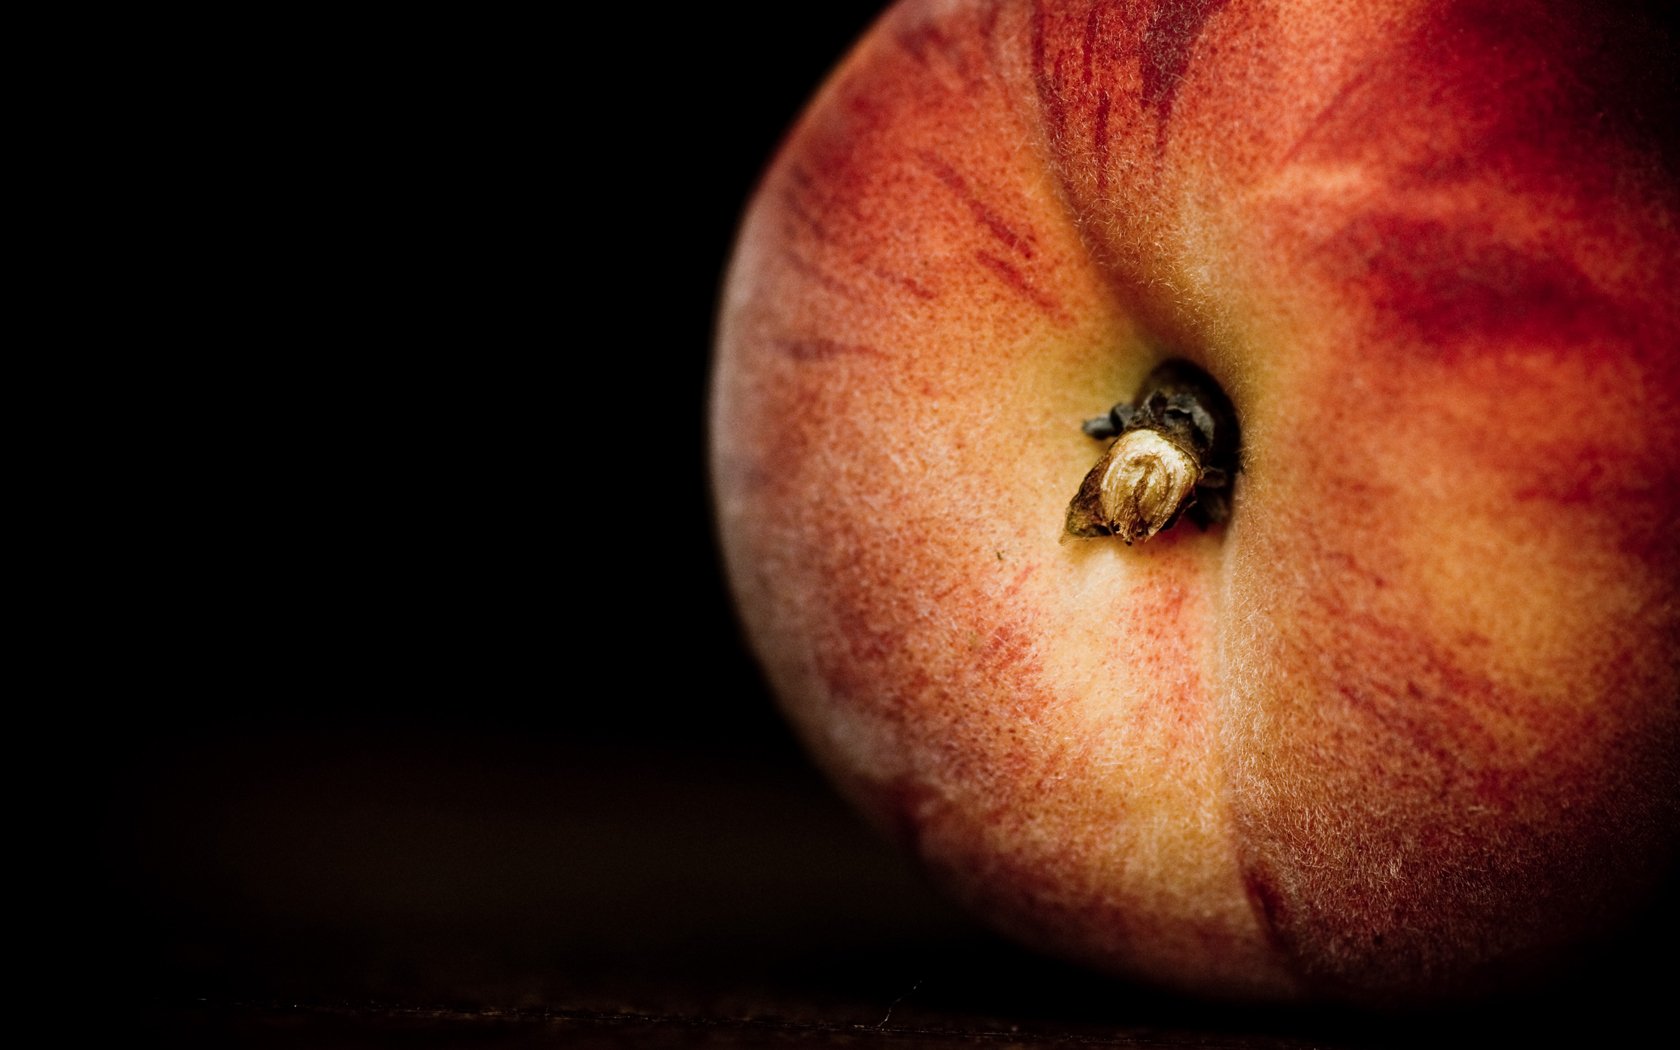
x=1408 y=726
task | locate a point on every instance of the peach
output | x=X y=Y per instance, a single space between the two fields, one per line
x=1403 y=726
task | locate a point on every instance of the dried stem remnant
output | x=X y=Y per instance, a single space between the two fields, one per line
x=1175 y=450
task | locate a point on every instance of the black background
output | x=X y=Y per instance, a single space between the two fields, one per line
x=415 y=680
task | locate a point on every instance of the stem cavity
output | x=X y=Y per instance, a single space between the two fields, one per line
x=1175 y=451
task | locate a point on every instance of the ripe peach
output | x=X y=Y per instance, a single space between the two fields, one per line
x=1406 y=725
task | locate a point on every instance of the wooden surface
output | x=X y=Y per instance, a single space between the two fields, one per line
x=357 y=888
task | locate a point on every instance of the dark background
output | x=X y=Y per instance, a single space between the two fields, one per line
x=416 y=682
x=421 y=708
